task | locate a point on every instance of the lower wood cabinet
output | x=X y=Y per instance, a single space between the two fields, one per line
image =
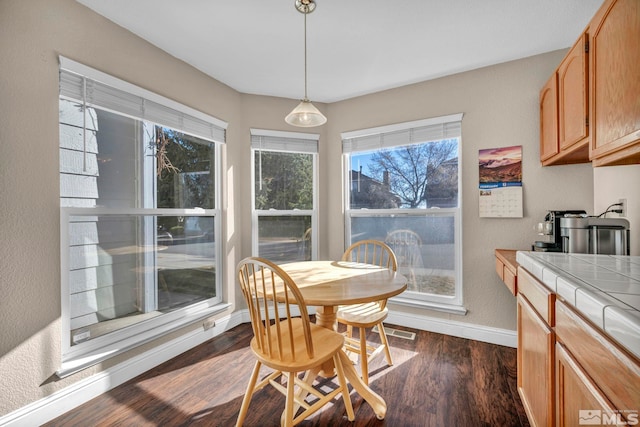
x=579 y=400
x=536 y=349
x=570 y=373
x=535 y=365
x=593 y=373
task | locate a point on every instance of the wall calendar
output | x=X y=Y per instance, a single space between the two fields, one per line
x=500 y=182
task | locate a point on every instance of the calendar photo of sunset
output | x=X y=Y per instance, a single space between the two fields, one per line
x=502 y=164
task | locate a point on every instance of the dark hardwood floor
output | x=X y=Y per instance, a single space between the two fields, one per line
x=436 y=380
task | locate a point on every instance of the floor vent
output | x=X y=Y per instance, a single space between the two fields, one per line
x=390 y=332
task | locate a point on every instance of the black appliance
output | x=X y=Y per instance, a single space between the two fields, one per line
x=550 y=230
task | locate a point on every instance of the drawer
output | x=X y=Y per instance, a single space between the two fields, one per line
x=539 y=296
x=615 y=371
x=510 y=280
x=500 y=269
x=506 y=268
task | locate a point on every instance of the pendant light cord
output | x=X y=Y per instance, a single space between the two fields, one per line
x=305 y=56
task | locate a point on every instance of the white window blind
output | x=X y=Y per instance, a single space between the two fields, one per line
x=433 y=129
x=94 y=88
x=284 y=141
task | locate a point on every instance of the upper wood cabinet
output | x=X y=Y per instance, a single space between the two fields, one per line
x=549 y=120
x=573 y=98
x=596 y=114
x=564 y=136
x=615 y=83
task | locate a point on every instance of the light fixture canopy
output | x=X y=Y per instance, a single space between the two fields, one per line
x=305 y=114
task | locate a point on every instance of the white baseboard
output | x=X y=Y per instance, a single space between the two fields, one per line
x=60 y=402
x=471 y=331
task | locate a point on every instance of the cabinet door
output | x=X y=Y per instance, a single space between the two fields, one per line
x=615 y=82
x=549 y=119
x=579 y=401
x=536 y=348
x=614 y=370
x=573 y=100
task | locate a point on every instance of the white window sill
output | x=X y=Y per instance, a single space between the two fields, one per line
x=446 y=308
x=80 y=362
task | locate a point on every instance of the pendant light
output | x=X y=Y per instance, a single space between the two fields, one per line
x=305 y=114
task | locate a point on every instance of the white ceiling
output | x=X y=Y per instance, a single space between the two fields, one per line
x=355 y=47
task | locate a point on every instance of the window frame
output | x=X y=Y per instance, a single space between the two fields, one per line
x=85 y=354
x=451 y=304
x=284 y=148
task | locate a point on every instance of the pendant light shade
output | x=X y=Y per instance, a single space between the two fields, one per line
x=305 y=114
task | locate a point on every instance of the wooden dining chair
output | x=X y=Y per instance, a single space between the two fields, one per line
x=406 y=245
x=367 y=315
x=285 y=340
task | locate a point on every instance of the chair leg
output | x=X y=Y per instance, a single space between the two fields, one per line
x=290 y=403
x=248 y=394
x=385 y=342
x=349 y=331
x=364 y=362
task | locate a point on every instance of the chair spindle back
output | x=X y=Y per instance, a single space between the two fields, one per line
x=372 y=252
x=270 y=294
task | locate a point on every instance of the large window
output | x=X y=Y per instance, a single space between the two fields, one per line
x=140 y=225
x=284 y=195
x=402 y=184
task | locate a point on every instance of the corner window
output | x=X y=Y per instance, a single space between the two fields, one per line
x=284 y=215
x=403 y=188
x=140 y=223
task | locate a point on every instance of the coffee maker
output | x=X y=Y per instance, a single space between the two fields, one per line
x=550 y=230
x=594 y=235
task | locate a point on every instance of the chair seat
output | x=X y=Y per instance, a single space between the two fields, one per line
x=362 y=315
x=325 y=344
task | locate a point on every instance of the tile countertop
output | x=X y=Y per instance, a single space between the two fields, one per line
x=603 y=288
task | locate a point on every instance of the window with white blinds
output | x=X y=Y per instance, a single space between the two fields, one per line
x=94 y=88
x=433 y=129
x=284 y=141
x=140 y=228
x=284 y=200
x=402 y=186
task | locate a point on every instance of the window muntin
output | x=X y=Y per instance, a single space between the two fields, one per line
x=139 y=219
x=405 y=191
x=284 y=197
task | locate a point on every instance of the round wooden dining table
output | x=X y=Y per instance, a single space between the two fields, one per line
x=330 y=284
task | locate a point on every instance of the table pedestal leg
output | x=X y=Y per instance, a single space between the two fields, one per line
x=326 y=317
x=377 y=403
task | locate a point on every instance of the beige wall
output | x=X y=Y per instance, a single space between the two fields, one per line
x=615 y=183
x=499 y=103
x=32 y=35
x=500 y=106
